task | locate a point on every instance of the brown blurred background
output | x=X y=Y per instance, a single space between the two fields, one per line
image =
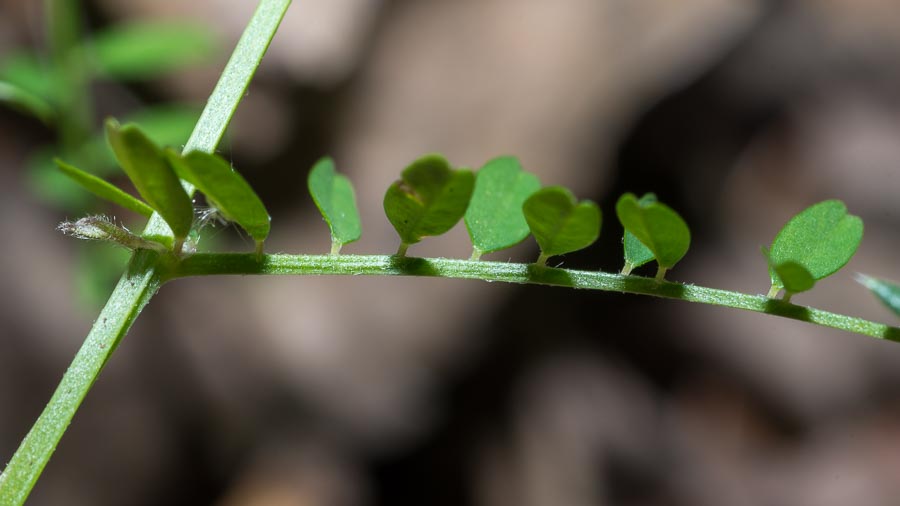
x=362 y=391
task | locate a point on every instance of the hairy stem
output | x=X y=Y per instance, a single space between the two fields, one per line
x=141 y=280
x=380 y=265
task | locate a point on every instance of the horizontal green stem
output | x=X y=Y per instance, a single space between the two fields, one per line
x=379 y=265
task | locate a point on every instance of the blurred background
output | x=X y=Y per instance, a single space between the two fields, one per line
x=363 y=391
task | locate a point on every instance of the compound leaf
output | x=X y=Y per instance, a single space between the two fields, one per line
x=334 y=196
x=887 y=292
x=494 y=218
x=154 y=179
x=657 y=226
x=560 y=224
x=225 y=189
x=103 y=189
x=822 y=238
x=428 y=200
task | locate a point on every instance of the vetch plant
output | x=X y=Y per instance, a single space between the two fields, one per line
x=501 y=205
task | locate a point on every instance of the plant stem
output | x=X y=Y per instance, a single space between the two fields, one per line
x=65 y=42
x=381 y=265
x=141 y=280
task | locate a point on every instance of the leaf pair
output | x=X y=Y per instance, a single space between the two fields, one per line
x=429 y=199
x=509 y=203
x=652 y=231
x=155 y=174
x=501 y=205
x=560 y=224
x=813 y=245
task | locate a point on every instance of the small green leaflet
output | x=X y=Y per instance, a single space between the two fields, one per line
x=795 y=278
x=560 y=224
x=154 y=179
x=103 y=189
x=822 y=239
x=428 y=200
x=636 y=254
x=657 y=226
x=147 y=50
x=887 y=292
x=334 y=196
x=494 y=218
x=225 y=189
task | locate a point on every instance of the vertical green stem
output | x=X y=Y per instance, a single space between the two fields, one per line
x=65 y=41
x=141 y=281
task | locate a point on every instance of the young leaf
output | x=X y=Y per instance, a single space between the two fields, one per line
x=154 y=179
x=103 y=189
x=822 y=238
x=657 y=226
x=560 y=223
x=145 y=50
x=887 y=292
x=428 y=200
x=334 y=196
x=494 y=218
x=225 y=189
x=636 y=254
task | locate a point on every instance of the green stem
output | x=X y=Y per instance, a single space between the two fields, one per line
x=141 y=280
x=380 y=265
x=65 y=42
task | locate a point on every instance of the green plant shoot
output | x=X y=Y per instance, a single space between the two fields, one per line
x=657 y=227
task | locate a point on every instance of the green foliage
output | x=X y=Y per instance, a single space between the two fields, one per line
x=148 y=50
x=636 y=254
x=887 y=292
x=560 y=224
x=31 y=75
x=334 y=196
x=225 y=189
x=494 y=218
x=154 y=179
x=657 y=227
x=26 y=102
x=822 y=239
x=794 y=276
x=429 y=199
x=103 y=189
